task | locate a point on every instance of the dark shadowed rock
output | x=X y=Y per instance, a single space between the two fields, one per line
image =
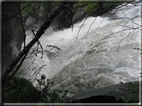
x=108 y=94
x=12 y=32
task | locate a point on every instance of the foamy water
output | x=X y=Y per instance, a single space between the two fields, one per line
x=97 y=52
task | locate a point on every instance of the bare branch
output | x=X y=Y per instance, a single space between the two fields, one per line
x=39 y=33
x=125 y=38
x=38 y=42
x=22 y=26
x=130 y=19
x=90 y=26
x=80 y=28
x=112 y=34
x=16 y=12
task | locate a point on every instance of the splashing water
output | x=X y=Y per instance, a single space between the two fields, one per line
x=97 y=52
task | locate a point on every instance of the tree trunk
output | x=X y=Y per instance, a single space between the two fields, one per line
x=39 y=33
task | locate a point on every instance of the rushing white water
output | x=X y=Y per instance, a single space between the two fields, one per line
x=97 y=52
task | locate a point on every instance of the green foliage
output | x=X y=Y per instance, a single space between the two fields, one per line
x=27 y=10
x=89 y=8
x=80 y=4
x=130 y=93
x=57 y=3
x=19 y=90
x=32 y=9
x=113 y=4
x=48 y=96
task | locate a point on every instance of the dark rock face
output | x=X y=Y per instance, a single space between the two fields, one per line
x=108 y=94
x=12 y=32
x=68 y=16
x=73 y=15
x=99 y=99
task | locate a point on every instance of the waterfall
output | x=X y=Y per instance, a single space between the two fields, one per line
x=97 y=52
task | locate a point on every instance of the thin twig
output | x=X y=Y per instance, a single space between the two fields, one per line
x=39 y=33
x=112 y=34
x=16 y=12
x=22 y=26
x=130 y=19
x=80 y=28
x=38 y=42
x=124 y=38
x=90 y=26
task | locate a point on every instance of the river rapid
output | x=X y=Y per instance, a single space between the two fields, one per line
x=96 y=52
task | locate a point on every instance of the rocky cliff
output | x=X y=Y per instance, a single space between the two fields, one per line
x=12 y=32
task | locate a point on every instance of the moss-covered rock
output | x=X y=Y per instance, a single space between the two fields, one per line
x=20 y=90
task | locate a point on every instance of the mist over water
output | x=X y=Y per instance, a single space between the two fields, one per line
x=97 y=52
